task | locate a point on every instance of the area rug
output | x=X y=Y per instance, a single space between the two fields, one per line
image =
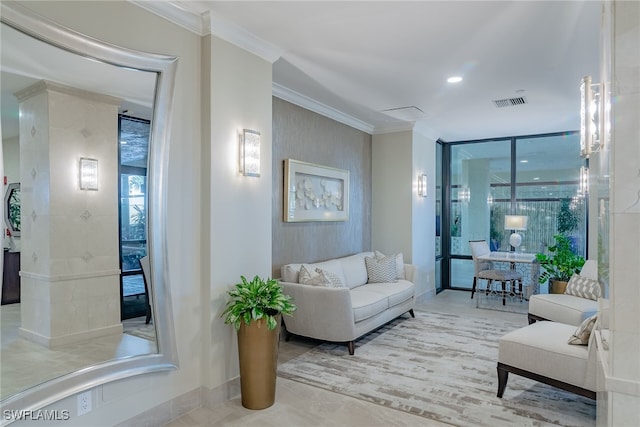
x=439 y=366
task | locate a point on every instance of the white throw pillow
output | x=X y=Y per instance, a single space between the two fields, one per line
x=332 y=278
x=312 y=278
x=582 y=334
x=399 y=260
x=381 y=270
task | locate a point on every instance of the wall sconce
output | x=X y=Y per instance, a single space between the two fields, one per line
x=250 y=153
x=584 y=181
x=88 y=174
x=464 y=194
x=515 y=223
x=591 y=118
x=422 y=185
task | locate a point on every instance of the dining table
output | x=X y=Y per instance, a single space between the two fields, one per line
x=523 y=262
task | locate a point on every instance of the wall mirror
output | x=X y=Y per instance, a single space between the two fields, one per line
x=12 y=209
x=141 y=80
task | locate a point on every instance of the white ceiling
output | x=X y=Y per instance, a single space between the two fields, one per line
x=352 y=60
x=363 y=57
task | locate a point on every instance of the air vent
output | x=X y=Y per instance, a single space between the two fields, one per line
x=510 y=102
x=411 y=113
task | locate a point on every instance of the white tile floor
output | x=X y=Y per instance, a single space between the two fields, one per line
x=302 y=405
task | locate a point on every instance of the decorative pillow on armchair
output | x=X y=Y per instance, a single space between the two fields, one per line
x=582 y=334
x=399 y=260
x=583 y=287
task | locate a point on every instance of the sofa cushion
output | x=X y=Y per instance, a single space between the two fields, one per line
x=332 y=278
x=583 y=287
x=582 y=334
x=397 y=292
x=399 y=262
x=542 y=348
x=290 y=273
x=312 y=278
x=354 y=269
x=367 y=304
x=381 y=270
x=562 y=308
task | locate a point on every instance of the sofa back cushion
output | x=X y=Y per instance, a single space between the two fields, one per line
x=355 y=270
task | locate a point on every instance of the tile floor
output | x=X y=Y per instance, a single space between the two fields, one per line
x=301 y=405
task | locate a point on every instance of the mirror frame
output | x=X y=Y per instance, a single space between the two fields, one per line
x=48 y=392
x=11 y=188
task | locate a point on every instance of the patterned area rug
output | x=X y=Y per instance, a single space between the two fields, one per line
x=439 y=366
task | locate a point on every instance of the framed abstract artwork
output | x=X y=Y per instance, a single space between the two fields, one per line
x=314 y=192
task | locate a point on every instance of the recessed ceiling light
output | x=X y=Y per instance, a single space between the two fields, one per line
x=454 y=79
x=524 y=161
x=536 y=178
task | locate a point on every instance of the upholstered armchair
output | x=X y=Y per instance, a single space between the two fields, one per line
x=579 y=301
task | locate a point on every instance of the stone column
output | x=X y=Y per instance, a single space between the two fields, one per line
x=69 y=258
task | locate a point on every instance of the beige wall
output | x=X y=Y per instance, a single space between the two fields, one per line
x=300 y=134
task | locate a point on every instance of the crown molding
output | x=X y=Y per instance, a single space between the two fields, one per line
x=175 y=12
x=239 y=36
x=398 y=127
x=304 y=101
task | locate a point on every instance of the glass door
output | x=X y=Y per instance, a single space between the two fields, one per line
x=480 y=177
x=134 y=143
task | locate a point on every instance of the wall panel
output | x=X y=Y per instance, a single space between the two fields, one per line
x=303 y=135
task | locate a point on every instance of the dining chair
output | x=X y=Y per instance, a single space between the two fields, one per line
x=483 y=270
x=148 y=286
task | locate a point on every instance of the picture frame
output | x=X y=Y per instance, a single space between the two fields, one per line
x=12 y=209
x=314 y=192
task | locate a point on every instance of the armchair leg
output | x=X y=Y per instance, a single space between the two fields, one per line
x=503 y=376
x=473 y=287
x=352 y=347
x=412 y=314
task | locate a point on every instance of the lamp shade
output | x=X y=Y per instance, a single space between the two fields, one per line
x=515 y=222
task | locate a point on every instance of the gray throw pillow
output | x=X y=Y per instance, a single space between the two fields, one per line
x=583 y=287
x=381 y=270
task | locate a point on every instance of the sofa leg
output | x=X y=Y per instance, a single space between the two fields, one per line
x=352 y=347
x=412 y=313
x=503 y=376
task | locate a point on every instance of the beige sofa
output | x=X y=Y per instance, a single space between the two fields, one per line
x=350 y=310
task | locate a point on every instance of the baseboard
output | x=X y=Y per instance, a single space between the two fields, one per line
x=223 y=393
x=56 y=342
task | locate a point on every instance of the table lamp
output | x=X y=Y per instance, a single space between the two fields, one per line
x=515 y=223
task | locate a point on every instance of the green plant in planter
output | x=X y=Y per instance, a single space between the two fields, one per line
x=257 y=299
x=561 y=263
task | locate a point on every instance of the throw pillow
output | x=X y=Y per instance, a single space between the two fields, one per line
x=331 y=277
x=381 y=270
x=399 y=262
x=583 y=287
x=312 y=278
x=582 y=334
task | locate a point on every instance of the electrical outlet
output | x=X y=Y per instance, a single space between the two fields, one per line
x=84 y=402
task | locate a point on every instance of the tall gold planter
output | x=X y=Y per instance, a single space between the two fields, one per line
x=557 y=286
x=258 y=353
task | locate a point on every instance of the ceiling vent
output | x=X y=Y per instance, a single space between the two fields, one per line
x=411 y=113
x=510 y=102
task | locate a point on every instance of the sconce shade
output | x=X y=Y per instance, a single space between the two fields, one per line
x=250 y=153
x=591 y=117
x=88 y=174
x=515 y=222
x=422 y=185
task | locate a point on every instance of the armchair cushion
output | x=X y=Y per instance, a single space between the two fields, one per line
x=562 y=308
x=583 y=287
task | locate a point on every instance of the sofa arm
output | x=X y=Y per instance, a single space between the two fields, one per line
x=321 y=313
x=410 y=272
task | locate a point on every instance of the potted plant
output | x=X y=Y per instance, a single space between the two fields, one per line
x=254 y=309
x=559 y=265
